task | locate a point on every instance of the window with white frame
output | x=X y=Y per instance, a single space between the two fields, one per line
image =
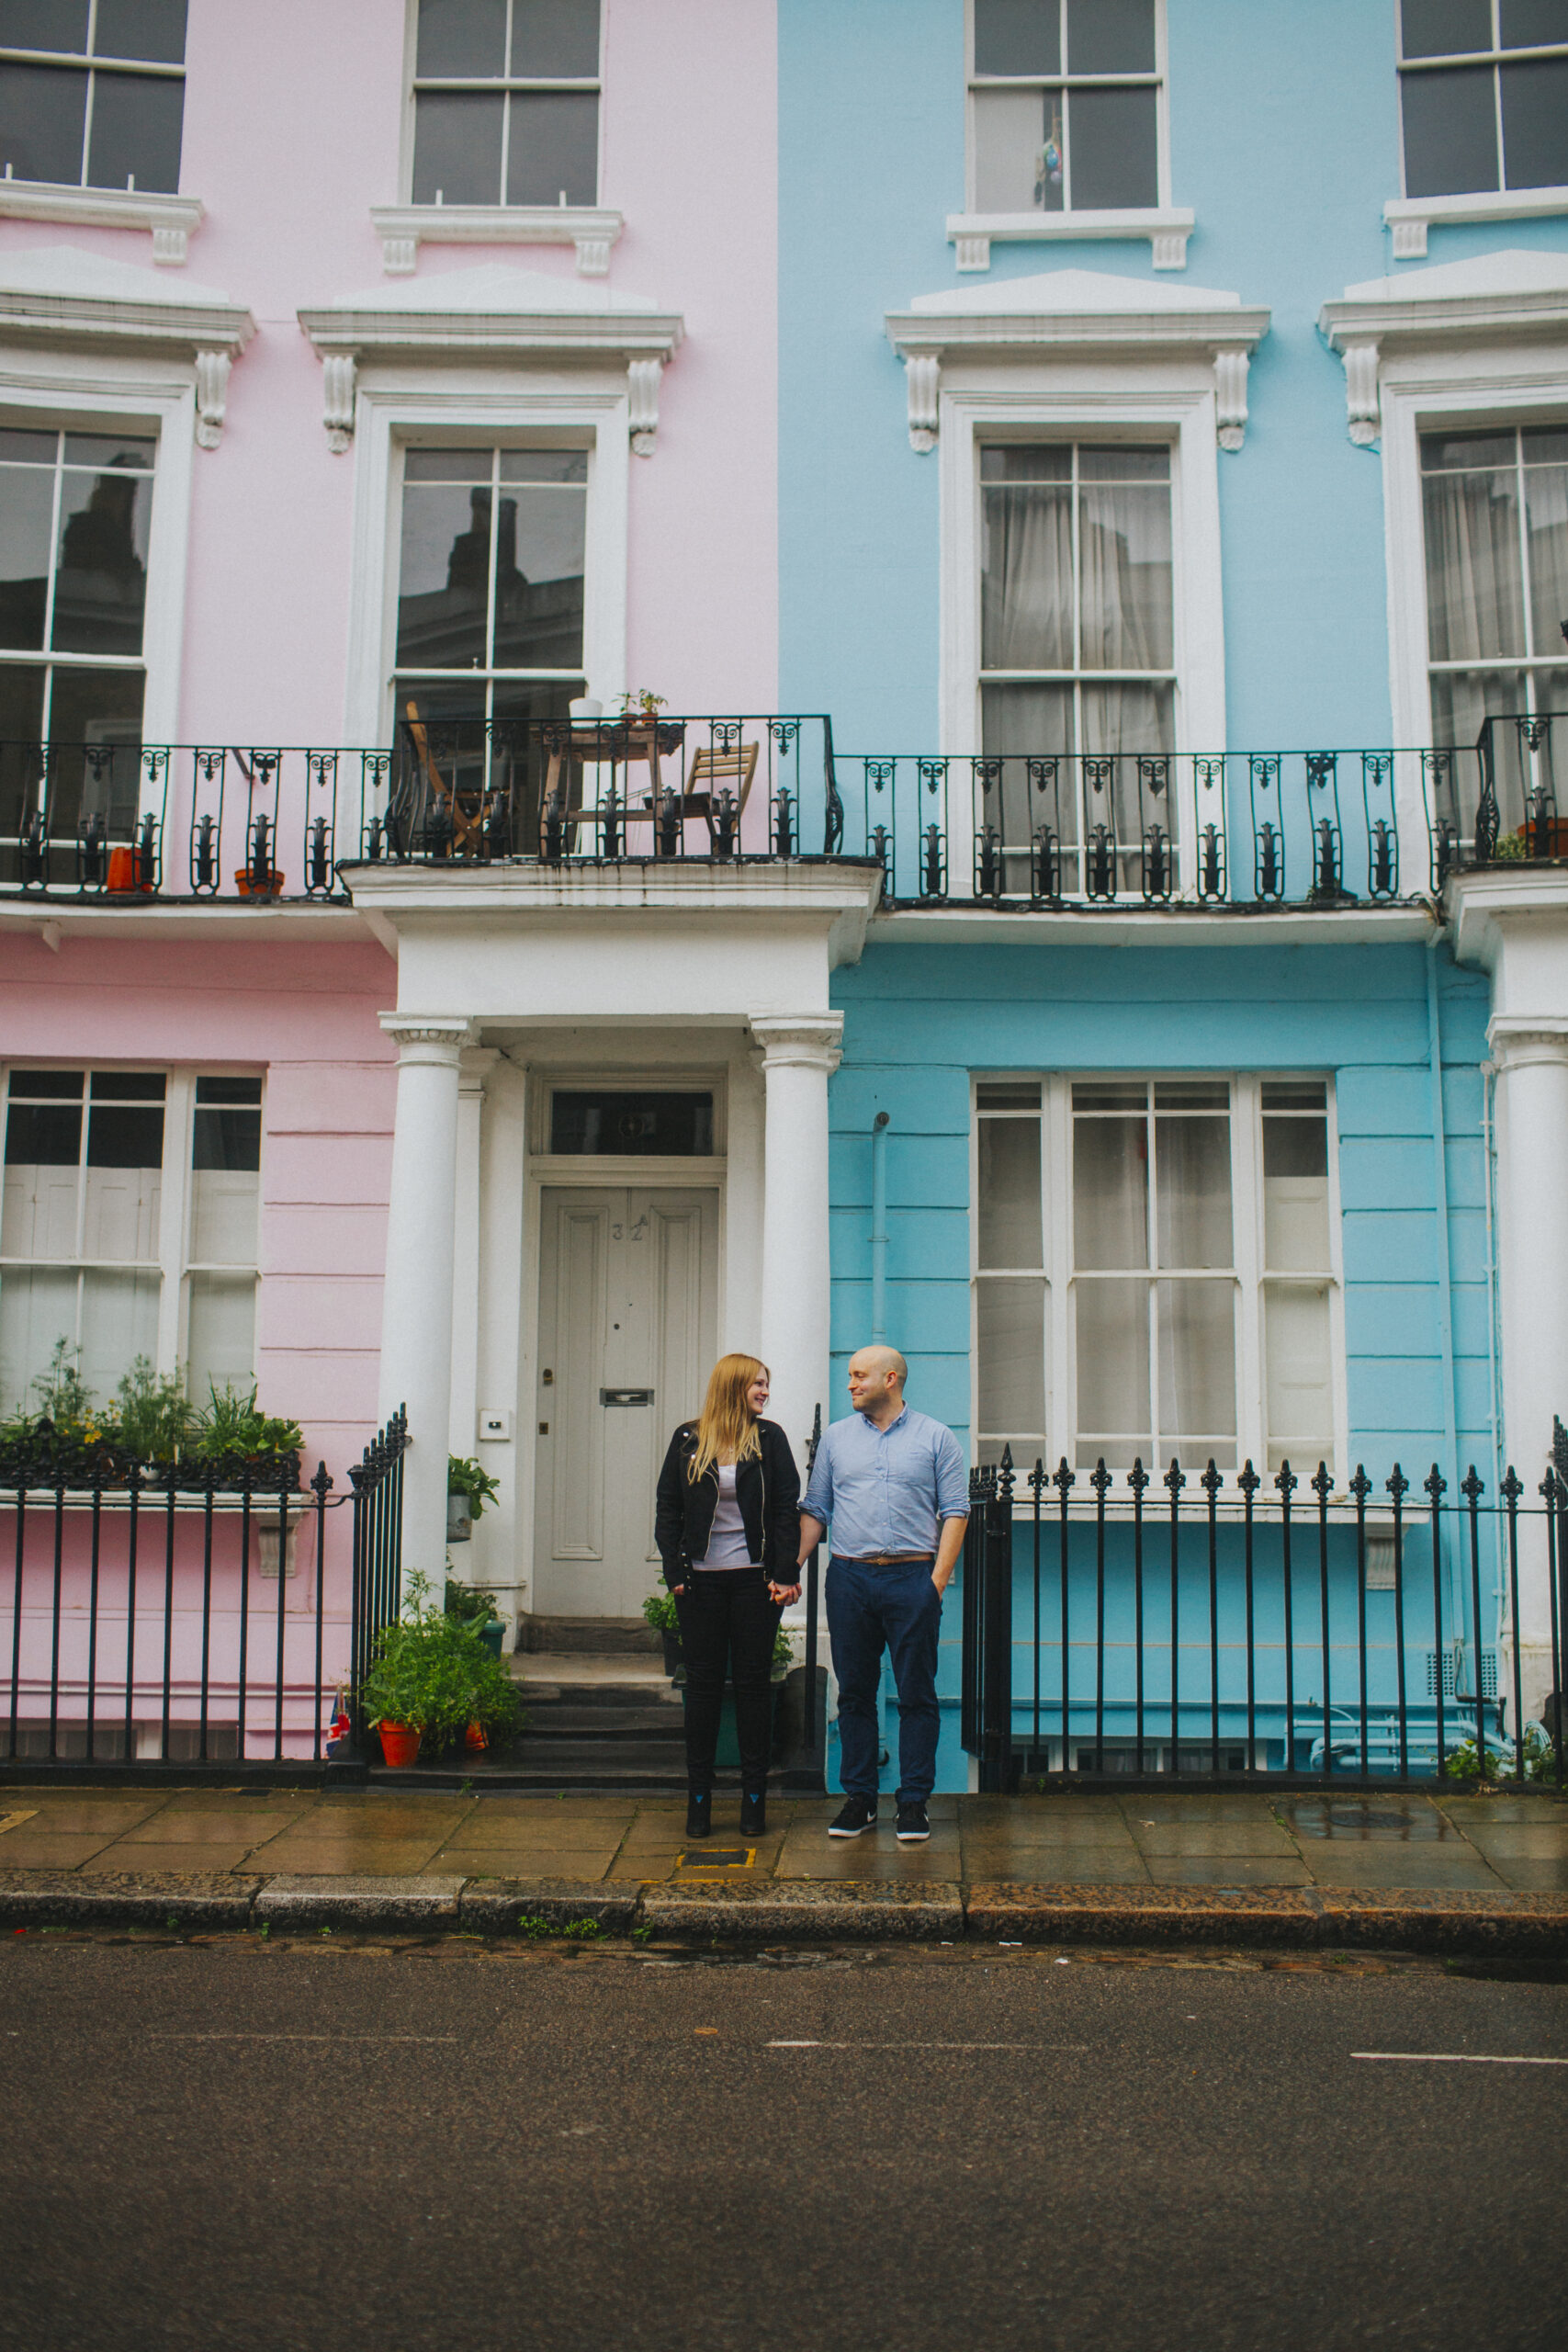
x=1140 y=1244
x=1484 y=95
x=75 y=520
x=506 y=102
x=1077 y=632
x=1064 y=106
x=1494 y=512
x=92 y=92
x=129 y=1225
x=490 y=583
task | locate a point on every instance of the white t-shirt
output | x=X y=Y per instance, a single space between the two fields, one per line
x=728 y=1547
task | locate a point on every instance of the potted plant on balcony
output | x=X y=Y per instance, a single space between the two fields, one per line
x=238 y=1445
x=468 y=1488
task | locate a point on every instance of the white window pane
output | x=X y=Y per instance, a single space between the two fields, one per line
x=1194 y=1191
x=1111 y=1191
x=37 y=1307
x=121 y=1216
x=1300 y=1395
x=223 y=1216
x=119 y=1322
x=1009 y=139
x=1113 y=1364
x=1295 y=1195
x=1124 y=552
x=1474 y=592
x=1010 y=1193
x=39 y=1219
x=1546 y=505
x=1197 y=1368
x=1010 y=1320
x=222 y=1339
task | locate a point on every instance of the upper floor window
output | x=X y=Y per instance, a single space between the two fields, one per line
x=76 y=515
x=129 y=1227
x=1114 y=1300
x=506 y=102
x=1484 y=95
x=1077 y=629
x=91 y=92
x=1496 y=512
x=1064 y=106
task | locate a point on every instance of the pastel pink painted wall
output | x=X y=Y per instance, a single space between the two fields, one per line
x=304 y=1013
x=293 y=123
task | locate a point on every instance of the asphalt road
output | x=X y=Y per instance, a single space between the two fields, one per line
x=337 y=2146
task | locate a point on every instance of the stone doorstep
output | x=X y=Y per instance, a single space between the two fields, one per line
x=1523 y=1926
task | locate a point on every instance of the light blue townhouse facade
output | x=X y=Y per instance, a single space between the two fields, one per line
x=1173 y=393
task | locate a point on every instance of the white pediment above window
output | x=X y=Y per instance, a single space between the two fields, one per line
x=62 y=295
x=1067 y=312
x=492 y=311
x=1512 y=298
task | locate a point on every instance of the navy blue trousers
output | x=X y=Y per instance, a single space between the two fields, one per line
x=869 y=1611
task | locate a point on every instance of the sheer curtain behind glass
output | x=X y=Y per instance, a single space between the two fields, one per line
x=1009 y=1313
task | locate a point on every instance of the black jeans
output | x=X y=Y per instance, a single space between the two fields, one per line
x=727 y=1617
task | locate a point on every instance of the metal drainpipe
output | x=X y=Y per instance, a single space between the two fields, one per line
x=879 y=1229
x=1445 y=1291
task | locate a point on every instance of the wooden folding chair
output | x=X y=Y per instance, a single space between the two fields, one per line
x=712 y=772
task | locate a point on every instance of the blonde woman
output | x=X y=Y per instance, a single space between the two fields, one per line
x=727 y=1527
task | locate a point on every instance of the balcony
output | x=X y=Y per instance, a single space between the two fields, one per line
x=1252 y=831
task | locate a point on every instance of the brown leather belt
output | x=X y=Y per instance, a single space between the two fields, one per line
x=892 y=1559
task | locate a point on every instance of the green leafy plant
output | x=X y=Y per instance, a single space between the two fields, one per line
x=585 y=1931
x=642 y=704
x=62 y=1395
x=228 y=1423
x=466 y=1477
x=783 y=1650
x=153 y=1416
x=641 y=1935
x=531 y=1924
x=470 y=1608
x=431 y=1673
x=1511 y=848
x=660 y=1611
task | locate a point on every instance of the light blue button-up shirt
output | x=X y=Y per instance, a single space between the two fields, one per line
x=887 y=1490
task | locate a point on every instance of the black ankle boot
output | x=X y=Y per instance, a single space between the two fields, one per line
x=699 y=1813
x=753 y=1813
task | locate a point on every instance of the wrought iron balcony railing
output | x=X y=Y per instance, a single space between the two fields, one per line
x=1318 y=828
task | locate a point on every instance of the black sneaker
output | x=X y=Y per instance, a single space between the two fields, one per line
x=914 y=1828
x=699 y=1813
x=859 y=1812
x=754 y=1814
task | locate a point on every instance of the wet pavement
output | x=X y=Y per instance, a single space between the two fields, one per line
x=1471 y=1843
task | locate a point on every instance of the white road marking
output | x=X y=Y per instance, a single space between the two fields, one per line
x=926 y=2045
x=303 y=2037
x=1451 y=2058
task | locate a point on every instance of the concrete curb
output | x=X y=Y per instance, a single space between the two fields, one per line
x=1531 y=1928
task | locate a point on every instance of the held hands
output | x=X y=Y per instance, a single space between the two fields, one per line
x=783 y=1594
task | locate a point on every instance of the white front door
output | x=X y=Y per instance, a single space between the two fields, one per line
x=628 y=1281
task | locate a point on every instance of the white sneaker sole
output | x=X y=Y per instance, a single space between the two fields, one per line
x=913 y=1836
x=853 y=1833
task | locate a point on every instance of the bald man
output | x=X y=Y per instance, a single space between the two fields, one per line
x=891 y=1482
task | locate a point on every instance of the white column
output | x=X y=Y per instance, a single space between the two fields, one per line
x=416 y=1309
x=799 y=1054
x=1530 y=1054
x=463 y=1428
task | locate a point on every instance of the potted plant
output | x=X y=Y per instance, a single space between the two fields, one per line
x=477 y=1610
x=431 y=1678
x=662 y=1615
x=248 y=1447
x=468 y=1488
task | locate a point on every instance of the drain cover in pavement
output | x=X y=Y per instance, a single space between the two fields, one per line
x=724 y=1858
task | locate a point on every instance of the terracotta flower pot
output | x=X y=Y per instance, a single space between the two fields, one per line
x=399 y=1745
x=125 y=876
x=474 y=1738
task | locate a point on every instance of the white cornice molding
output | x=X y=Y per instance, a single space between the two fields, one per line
x=1409 y=217
x=1516 y=297
x=800 y=1041
x=493 y=312
x=62 y=295
x=1489 y=905
x=1515 y=1039
x=1075 y=312
x=404 y=228
x=1166 y=227
x=171 y=221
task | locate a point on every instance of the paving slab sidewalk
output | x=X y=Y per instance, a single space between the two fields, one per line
x=1465 y=1871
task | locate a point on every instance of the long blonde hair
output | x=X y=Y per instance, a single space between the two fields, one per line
x=726 y=1427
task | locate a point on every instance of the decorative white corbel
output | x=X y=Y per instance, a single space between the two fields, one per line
x=211 y=395
x=337 y=397
x=642 y=403
x=399 y=253
x=593 y=256
x=923 y=370
x=1409 y=240
x=1167 y=249
x=1230 y=396
x=169 y=243
x=972 y=251
x=1361 y=390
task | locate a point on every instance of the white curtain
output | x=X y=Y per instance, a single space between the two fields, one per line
x=1027 y=590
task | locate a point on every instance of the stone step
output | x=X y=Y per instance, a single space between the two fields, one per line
x=604 y=1723
x=609 y=1636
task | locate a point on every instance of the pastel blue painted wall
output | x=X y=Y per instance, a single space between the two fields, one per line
x=1284 y=142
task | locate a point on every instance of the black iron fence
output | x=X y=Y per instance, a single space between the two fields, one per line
x=1196 y=1626
x=1324 y=829
x=142 y=1629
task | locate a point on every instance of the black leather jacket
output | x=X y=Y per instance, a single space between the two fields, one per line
x=768 y=1491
